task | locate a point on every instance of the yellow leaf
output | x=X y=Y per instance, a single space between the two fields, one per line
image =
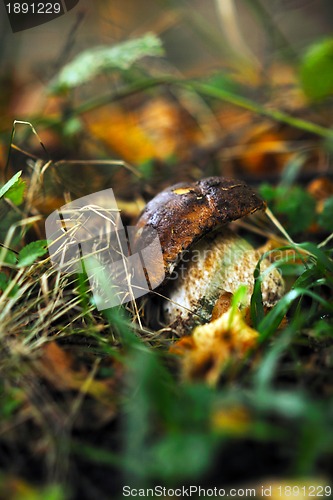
x=206 y=351
x=121 y=132
x=233 y=420
x=156 y=130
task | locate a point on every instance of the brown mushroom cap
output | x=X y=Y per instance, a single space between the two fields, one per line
x=183 y=213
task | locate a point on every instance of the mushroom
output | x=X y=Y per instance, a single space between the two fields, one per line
x=205 y=261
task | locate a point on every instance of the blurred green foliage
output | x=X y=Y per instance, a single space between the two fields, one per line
x=98 y=60
x=293 y=203
x=316 y=70
x=325 y=218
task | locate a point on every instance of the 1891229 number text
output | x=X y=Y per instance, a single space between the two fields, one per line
x=33 y=8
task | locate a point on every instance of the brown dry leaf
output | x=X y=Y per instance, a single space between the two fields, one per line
x=170 y=127
x=265 y=148
x=260 y=145
x=321 y=188
x=57 y=366
x=210 y=346
x=233 y=118
x=221 y=305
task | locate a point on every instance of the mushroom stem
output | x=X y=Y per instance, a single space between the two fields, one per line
x=211 y=272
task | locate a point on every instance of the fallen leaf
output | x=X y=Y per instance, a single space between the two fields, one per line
x=265 y=148
x=58 y=367
x=206 y=351
x=158 y=129
x=221 y=305
x=321 y=188
x=120 y=131
x=234 y=420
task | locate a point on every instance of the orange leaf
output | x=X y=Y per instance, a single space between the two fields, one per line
x=210 y=346
x=120 y=131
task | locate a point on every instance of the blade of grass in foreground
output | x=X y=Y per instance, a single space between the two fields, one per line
x=273 y=319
